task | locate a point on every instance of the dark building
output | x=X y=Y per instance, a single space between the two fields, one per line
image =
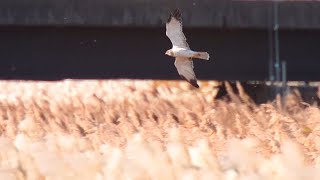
x=126 y=38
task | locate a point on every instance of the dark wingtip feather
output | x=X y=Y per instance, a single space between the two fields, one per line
x=175 y=14
x=193 y=82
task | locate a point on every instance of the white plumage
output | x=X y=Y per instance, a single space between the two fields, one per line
x=181 y=50
x=185 y=69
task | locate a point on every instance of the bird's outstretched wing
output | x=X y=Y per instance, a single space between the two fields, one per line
x=174 y=30
x=185 y=70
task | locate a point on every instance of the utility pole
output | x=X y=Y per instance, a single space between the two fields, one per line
x=277 y=69
x=276 y=40
x=271 y=43
x=274 y=49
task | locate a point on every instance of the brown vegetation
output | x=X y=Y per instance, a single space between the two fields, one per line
x=122 y=129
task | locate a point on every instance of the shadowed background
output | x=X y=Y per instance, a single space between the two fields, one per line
x=51 y=40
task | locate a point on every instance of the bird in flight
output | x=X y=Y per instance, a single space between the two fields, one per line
x=181 y=50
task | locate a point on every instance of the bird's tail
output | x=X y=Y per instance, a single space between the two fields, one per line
x=201 y=55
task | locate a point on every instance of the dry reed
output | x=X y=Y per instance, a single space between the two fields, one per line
x=123 y=129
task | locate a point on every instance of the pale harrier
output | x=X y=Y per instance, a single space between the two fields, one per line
x=181 y=50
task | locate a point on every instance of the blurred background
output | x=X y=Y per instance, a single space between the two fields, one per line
x=102 y=39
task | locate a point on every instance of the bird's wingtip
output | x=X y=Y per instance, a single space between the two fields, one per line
x=193 y=82
x=175 y=14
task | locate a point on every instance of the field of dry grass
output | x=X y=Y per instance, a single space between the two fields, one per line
x=121 y=129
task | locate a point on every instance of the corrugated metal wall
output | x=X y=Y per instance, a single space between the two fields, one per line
x=153 y=13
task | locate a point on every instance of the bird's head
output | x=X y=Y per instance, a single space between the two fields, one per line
x=169 y=52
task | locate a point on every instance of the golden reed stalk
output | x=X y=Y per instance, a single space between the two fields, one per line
x=125 y=129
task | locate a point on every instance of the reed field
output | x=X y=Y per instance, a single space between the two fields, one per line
x=139 y=130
